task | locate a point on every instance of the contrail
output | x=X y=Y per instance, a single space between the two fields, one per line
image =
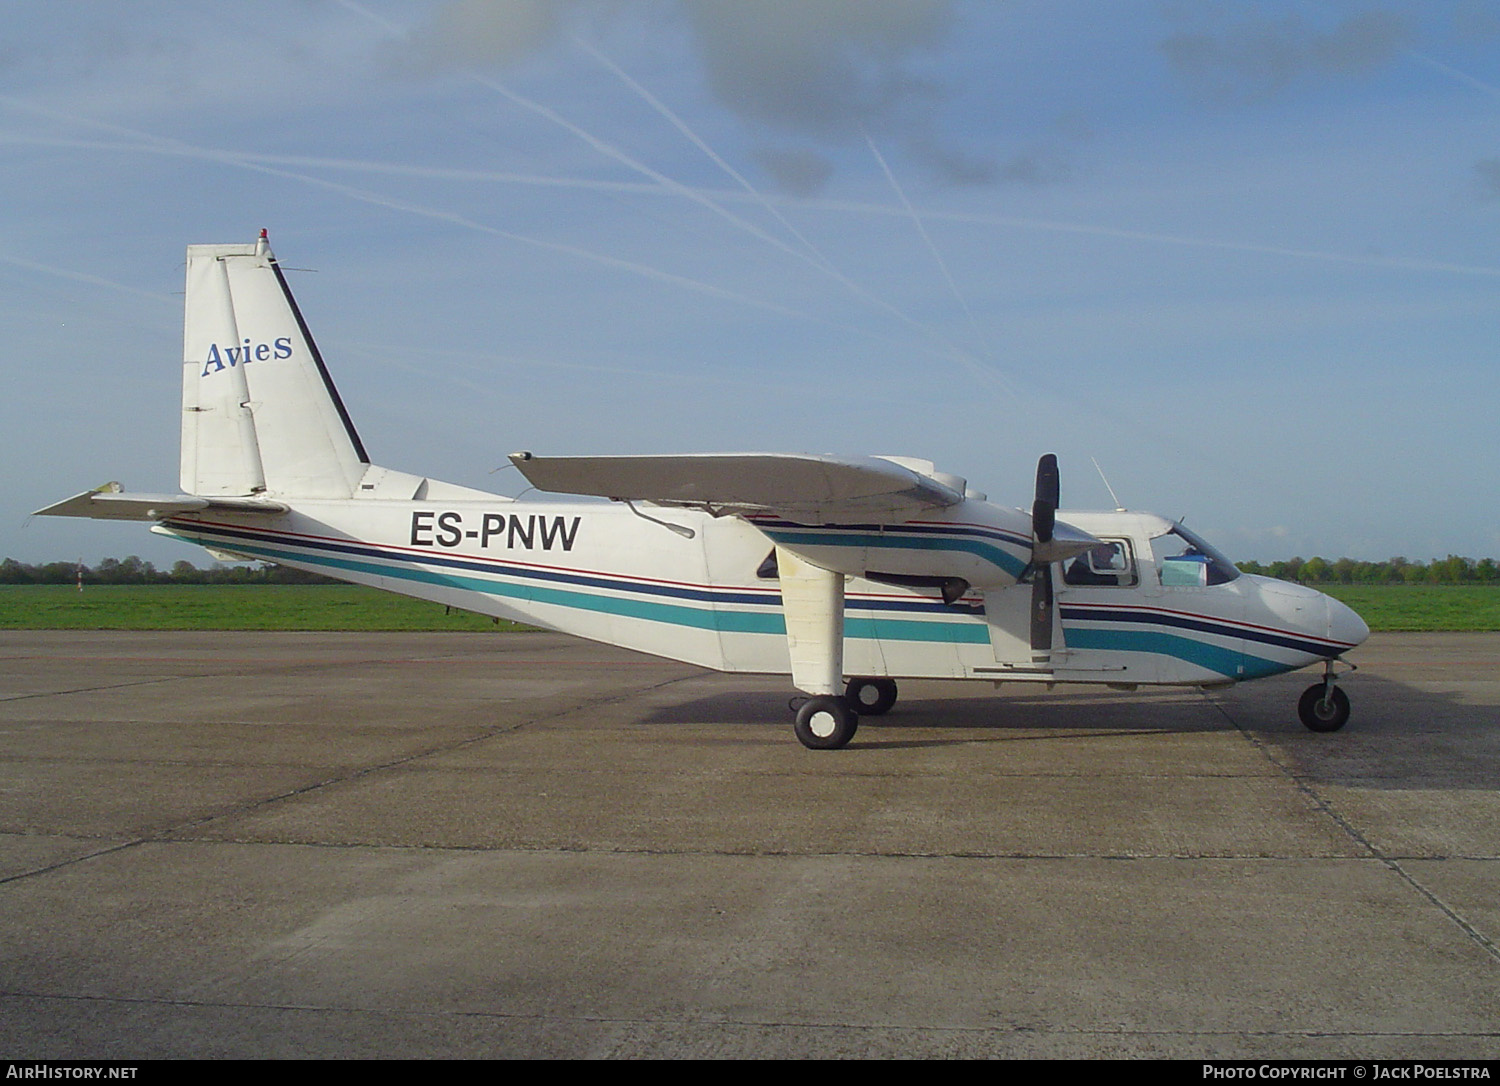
x=157 y=145
x=398 y=169
x=610 y=151
x=696 y=196
x=926 y=237
x=152 y=144
x=1049 y=225
x=699 y=198
x=822 y=261
x=1462 y=77
x=178 y=147
x=605 y=148
x=697 y=141
x=83 y=277
x=485 y=363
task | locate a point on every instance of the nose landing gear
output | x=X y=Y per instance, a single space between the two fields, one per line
x=1323 y=706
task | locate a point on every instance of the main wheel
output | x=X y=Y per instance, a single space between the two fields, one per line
x=871 y=697
x=825 y=723
x=1322 y=709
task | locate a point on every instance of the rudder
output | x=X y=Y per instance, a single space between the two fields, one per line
x=260 y=414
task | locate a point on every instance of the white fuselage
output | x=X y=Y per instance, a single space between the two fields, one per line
x=598 y=571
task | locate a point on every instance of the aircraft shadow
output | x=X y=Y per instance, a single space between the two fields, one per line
x=1400 y=736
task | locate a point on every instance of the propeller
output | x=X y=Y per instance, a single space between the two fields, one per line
x=1043 y=523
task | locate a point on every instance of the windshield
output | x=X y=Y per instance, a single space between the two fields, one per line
x=1184 y=558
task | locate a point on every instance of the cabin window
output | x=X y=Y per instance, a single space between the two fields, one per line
x=1185 y=560
x=1110 y=563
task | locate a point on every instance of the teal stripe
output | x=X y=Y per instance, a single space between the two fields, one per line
x=1226 y=662
x=725 y=621
x=697 y=618
x=896 y=629
x=990 y=553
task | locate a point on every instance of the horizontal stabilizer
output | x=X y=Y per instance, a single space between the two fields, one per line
x=800 y=487
x=111 y=502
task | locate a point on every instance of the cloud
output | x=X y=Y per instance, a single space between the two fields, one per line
x=463 y=33
x=820 y=71
x=1036 y=168
x=820 y=67
x=800 y=172
x=1257 y=57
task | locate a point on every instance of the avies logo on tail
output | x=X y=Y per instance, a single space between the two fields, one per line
x=247 y=352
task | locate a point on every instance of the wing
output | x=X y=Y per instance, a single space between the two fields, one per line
x=110 y=502
x=803 y=488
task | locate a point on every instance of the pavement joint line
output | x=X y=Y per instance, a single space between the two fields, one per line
x=1391 y=863
x=748 y=1023
x=357 y=773
x=167 y=837
x=70 y=861
x=238 y=669
x=171 y=833
x=786 y=854
x=90 y=689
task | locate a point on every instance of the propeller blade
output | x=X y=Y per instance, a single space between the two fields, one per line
x=1041 y=610
x=1043 y=524
x=1044 y=509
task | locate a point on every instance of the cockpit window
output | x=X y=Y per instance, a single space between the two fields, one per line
x=1185 y=559
x=1110 y=563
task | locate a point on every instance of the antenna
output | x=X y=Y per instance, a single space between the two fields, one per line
x=1115 y=498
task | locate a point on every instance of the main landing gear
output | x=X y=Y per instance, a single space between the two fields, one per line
x=871 y=697
x=828 y=722
x=1323 y=706
x=825 y=722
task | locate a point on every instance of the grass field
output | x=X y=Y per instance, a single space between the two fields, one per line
x=349 y=607
x=226 y=607
x=1458 y=607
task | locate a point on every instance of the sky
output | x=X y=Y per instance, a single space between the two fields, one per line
x=1241 y=255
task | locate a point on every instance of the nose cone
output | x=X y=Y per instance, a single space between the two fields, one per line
x=1296 y=607
x=1345 y=625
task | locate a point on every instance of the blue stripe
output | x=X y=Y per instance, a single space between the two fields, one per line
x=1202 y=625
x=724 y=621
x=973 y=631
x=990 y=553
x=607 y=583
x=916 y=529
x=1226 y=662
x=697 y=618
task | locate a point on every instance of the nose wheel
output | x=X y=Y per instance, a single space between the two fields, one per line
x=1323 y=706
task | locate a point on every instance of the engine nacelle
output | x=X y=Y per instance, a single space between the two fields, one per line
x=987 y=546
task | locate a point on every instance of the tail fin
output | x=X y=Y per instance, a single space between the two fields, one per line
x=260 y=414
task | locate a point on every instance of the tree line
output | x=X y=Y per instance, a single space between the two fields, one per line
x=132 y=570
x=1454 y=569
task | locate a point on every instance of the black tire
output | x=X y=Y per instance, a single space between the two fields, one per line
x=1323 y=710
x=871 y=697
x=825 y=723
